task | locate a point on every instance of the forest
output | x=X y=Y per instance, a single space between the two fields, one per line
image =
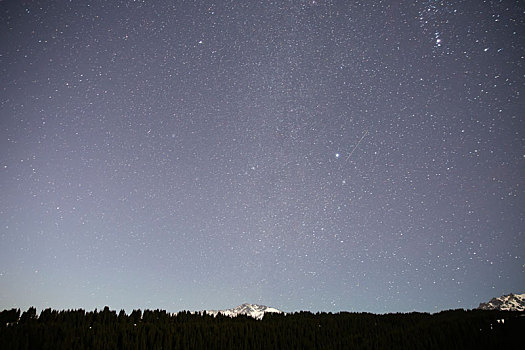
x=158 y=329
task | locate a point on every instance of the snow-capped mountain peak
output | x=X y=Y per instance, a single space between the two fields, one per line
x=511 y=302
x=252 y=310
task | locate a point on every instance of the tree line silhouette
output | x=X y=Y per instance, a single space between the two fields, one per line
x=157 y=329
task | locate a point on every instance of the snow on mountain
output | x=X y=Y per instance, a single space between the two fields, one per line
x=511 y=302
x=252 y=310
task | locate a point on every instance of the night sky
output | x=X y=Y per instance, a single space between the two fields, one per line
x=307 y=155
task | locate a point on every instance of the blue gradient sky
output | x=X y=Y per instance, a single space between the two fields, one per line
x=307 y=155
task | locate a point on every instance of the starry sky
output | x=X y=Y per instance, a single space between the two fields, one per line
x=307 y=155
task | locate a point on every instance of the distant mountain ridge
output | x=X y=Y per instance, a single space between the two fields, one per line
x=252 y=310
x=510 y=302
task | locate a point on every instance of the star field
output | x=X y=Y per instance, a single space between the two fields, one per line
x=307 y=155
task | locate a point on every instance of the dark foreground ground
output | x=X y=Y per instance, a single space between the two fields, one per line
x=105 y=329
